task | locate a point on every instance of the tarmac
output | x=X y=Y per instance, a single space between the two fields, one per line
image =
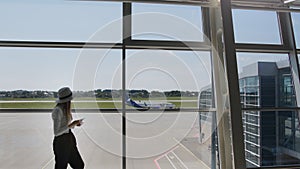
x=153 y=141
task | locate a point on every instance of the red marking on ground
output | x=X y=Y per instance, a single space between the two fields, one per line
x=156 y=163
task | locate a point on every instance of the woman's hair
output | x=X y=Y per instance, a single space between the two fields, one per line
x=66 y=108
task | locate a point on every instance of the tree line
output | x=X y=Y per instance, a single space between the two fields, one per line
x=99 y=93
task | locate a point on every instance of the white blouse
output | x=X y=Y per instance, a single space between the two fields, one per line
x=60 y=121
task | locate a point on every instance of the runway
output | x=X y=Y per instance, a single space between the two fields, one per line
x=154 y=141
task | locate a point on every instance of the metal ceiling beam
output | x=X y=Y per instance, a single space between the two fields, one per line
x=274 y=5
x=204 y=3
x=265 y=8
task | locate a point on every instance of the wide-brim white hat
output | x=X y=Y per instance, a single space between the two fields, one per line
x=64 y=95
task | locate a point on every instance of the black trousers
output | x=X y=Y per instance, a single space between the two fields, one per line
x=66 y=152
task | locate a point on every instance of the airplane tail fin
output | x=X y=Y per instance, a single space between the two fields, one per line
x=127 y=99
x=131 y=102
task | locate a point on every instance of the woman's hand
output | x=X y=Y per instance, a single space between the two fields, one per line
x=75 y=123
x=80 y=122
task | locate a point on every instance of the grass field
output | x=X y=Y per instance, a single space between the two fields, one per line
x=49 y=105
x=116 y=103
x=98 y=99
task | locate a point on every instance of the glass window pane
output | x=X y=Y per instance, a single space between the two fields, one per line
x=275 y=140
x=41 y=69
x=154 y=79
x=298 y=58
x=268 y=135
x=38 y=73
x=35 y=134
x=252 y=26
x=30 y=79
x=296 y=26
x=166 y=22
x=270 y=73
x=168 y=75
x=60 y=21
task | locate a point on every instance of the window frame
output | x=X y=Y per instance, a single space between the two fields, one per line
x=231 y=48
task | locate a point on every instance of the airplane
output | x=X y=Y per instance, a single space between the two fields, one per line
x=147 y=105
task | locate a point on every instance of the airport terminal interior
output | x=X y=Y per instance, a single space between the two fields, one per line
x=161 y=84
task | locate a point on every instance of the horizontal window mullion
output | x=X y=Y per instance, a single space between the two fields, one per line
x=272 y=109
x=265 y=48
x=134 y=44
x=278 y=167
x=171 y=45
x=49 y=44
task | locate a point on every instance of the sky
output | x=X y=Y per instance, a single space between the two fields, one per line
x=86 y=69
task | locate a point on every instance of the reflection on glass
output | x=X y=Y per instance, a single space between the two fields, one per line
x=261 y=76
x=71 y=21
x=36 y=69
x=166 y=22
x=159 y=76
x=253 y=26
x=30 y=79
x=97 y=73
x=271 y=138
x=158 y=137
x=30 y=76
x=266 y=81
x=298 y=58
x=29 y=144
x=296 y=26
x=208 y=127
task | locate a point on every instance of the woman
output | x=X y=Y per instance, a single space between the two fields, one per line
x=64 y=143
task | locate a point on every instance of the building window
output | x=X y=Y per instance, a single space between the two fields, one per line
x=287 y=94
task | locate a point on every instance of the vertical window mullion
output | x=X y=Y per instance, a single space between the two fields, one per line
x=288 y=39
x=126 y=34
x=230 y=65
